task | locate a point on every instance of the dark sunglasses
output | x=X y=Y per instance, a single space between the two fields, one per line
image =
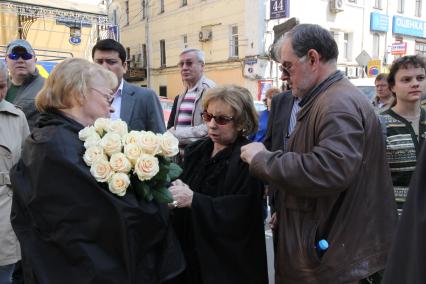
x=219 y=119
x=15 y=56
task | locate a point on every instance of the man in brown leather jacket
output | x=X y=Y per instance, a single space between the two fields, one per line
x=334 y=180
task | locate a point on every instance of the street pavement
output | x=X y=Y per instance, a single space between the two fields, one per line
x=269 y=250
x=269 y=253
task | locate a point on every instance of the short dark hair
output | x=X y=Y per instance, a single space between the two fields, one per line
x=380 y=77
x=310 y=36
x=110 y=44
x=403 y=63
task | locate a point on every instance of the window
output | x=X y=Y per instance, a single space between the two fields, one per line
x=143 y=9
x=161 y=6
x=233 y=47
x=139 y=62
x=114 y=17
x=376 y=45
x=418 y=9
x=127 y=12
x=127 y=54
x=346 y=46
x=163 y=91
x=185 y=41
x=162 y=53
x=378 y=4
x=144 y=58
x=420 y=48
x=184 y=3
x=400 y=6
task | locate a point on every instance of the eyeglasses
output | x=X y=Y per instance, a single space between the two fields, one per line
x=287 y=66
x=16 y=56
x=188 y=63
x=108 y=96
x=219 y=119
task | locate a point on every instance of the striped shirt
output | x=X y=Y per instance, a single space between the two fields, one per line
x=402 y=148
x=186 y=108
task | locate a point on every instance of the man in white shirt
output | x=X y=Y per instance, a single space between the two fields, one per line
x=139 y=107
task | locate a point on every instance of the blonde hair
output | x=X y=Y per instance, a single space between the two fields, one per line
x=70 y=81
x=270 y=93
x=241 y=101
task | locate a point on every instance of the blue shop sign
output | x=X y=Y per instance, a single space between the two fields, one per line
x=379 y=22
x=408 y=26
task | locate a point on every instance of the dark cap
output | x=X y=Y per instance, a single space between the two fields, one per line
x=19 y=43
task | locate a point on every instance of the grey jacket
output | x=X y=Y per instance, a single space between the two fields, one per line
x=141 y=109
x=13 y=131
x=25 y=97
x=198 y=129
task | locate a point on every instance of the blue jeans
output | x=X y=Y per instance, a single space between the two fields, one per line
x=6 y=273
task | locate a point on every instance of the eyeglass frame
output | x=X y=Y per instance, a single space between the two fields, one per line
x=188 y=63
x=287 y=69
x=108 y=97
x=219 y=119
x=16 y=55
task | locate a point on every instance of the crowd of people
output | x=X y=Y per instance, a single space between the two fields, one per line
x=337 y=169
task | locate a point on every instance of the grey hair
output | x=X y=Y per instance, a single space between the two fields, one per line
x=310 y=36
x=3 y=69
x=198 y=53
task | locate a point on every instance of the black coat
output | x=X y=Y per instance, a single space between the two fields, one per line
x=72 y=229
x=407 y=259
x=222 y=234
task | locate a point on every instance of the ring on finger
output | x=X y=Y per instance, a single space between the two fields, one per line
x=175 y=204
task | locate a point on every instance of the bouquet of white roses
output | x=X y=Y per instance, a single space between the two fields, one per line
x=136 y=159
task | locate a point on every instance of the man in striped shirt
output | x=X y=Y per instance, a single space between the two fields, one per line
x=185 y=121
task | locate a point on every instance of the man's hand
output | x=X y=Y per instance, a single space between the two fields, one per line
x=250 y=150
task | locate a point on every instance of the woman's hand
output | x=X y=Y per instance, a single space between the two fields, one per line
x=181 y=193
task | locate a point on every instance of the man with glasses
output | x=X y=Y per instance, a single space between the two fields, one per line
x=337 y=214
x=25 y=81
x=139 y=107
x=185 y=120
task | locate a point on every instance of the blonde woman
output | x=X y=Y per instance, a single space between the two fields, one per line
x=71 y=228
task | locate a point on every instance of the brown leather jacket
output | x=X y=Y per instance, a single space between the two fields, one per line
x=335 y=185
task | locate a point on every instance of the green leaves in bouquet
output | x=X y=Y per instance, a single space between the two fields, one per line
x=157 y=187
x=141 y=188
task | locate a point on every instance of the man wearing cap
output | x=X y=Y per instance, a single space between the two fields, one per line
x=25 y=80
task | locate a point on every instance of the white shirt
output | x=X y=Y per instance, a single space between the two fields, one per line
x=116 y=104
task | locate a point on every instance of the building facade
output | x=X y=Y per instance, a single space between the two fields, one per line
x=236 y=36
x=55 y=29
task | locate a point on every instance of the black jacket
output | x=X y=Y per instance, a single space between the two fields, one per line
x=222 y=234
x=72 y=229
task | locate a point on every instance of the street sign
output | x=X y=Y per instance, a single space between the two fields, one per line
x=278 y=9
x=399 y=48
x=363 y=58
x=373 y=68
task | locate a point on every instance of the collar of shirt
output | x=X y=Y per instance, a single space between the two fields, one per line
x=119 y=90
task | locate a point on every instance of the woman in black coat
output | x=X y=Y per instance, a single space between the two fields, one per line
x=218 y=215
x=72 y=229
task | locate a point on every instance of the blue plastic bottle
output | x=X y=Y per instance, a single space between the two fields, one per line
x=321 y=246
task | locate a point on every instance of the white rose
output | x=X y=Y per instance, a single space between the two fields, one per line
x=149 y=143
x=92 y=140
x=169 y=145
x=133 y=137
x=132 y=152
x=146 y=167
x=119 y=183
x=111 y=143
x=93 y=154
x=101 y=125
x=117 y=126
x=101 y=170
x=120 y=163
x=86 y=133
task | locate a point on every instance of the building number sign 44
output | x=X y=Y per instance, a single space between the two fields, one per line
x=279 y=9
